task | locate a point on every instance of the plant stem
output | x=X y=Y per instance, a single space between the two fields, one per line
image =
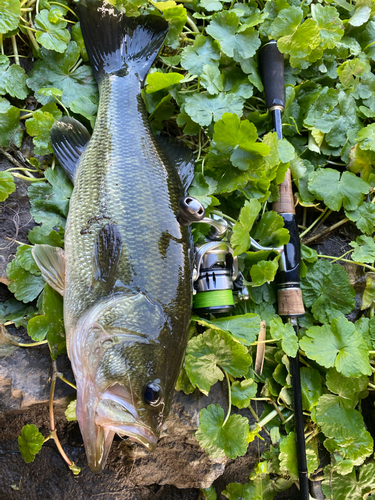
x=32 y=344
x=229 y=398
x=78 y=63
x=65 y=7
x=313 y=224
x=34 y=179
x=53 y=434
x=371 y=385
x=190 y=22
x=349 y=261
x=326 y=231
x=15 y=50
x=61 y=377
x=22 y=169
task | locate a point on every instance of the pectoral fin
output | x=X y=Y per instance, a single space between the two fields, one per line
x=51 y=262
x=181 y=157
x=107 y=253
x=69 y=139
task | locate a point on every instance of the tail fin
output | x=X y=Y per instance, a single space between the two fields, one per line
x=115 y=42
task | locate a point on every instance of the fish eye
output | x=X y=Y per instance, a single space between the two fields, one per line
x=152 y=394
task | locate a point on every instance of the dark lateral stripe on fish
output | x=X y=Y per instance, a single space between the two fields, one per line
x=115 y=42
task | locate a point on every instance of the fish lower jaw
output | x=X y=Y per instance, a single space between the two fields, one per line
x=135 y=432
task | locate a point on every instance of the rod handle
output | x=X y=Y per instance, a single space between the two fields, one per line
x=285 y=203
x=290 y=302
x=271 y=62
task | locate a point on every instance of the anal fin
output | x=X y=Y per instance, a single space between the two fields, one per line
x=69 y=139
x=51 y=262
x=106 y=256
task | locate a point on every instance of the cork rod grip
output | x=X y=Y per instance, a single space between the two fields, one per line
x=285 y=203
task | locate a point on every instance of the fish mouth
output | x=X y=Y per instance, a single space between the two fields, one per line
x=114 y=414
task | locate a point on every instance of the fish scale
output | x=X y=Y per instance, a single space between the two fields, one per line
x=125 y=274
x=140 y=181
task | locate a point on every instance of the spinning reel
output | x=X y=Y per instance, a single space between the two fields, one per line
x=216 y=279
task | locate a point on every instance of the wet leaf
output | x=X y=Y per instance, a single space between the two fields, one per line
x=221 y=440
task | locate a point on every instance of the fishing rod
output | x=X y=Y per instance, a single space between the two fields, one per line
x=289 y=294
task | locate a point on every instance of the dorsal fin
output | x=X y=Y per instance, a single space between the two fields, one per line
x=51 y=262
x=106 y=256
x=181 y=157
x=69 y=138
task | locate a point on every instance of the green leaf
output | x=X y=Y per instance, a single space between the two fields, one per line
x=335 y=192
x=202 y=188
x=240 y=239
x=285 y=332
x=50 y=202
x=207 y=353
x=12 y=79
x=57 y=70
x=176 y=17
x=350 y=486
x=45 y=235
x=349 y=389
x=264 y=272
x=212 y=79
x=30 y=442
x=294 y=38
x=224 y=29
x=10 y=11
x=183 y=383
x=50 y=324
x=336 y=421
x=202 y=108
x=243 y=392
x=369 y=292
x=249 y=491
x=7 y=185
x=350 y=452
x=39 y=127
x=366 y=137
x=340 y=345
x=233 y=136
x=10 y=126
x=78 y=38
x=311 y=387
x=25 y=286
x=364 y=249
x=244 y=328
x=327 y=289
x=52 y=36
x=17 y=312
x=329 y=23
x=158 y=81
x=26 y=260
x=364 y=217
x=203 y=51
x=220 y=440
x=270 y=231
x=70 y=412
x=211 y=5
x=361 y=16
x=288 y=457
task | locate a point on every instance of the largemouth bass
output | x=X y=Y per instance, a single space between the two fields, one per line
x=125 y=272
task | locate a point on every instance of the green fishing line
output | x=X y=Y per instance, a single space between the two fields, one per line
x=214 y=298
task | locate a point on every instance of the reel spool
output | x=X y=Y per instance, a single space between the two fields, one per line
x=215 y=275
x=216 y=272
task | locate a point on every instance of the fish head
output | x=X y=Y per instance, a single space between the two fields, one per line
x=124 y=384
